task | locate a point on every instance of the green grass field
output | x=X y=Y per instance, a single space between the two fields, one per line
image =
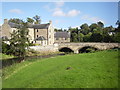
x=88 y=70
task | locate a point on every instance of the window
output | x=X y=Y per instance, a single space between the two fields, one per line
x=37 y=35
x=27 y=39
x=65 y=38
x=37 y=30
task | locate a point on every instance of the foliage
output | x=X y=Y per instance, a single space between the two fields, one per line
x=117 y=37
x=118 y=23
x=84 y=29
x=5 y=48
x=80 y=37
x=37 y=19
x=96 y=37
x=100 y=24
x=90 y=50
x=16 y=20
x=19 y=40
x=74 y=37
x=88 y=70
x=96 y=32
x=30 y=20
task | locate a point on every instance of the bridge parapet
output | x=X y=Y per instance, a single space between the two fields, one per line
x=76 y=46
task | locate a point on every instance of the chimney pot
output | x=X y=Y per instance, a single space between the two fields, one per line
x=5 y=21
x=50 y=22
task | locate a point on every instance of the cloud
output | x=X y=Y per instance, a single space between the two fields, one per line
x=92 y=19
x=17 y=11
x=59 y=12
x=73 y=13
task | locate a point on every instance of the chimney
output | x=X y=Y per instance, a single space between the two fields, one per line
x=50 y=22
x=5 y=21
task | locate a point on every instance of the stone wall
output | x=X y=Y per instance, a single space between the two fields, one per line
x=47 y=49
x=50 y=34
x=62 y=40
x=31 y=34
x=41 y=32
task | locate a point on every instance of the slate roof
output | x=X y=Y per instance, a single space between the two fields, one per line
x=35 y=26
x=41 y=26
x=41 y=38
x=62 y=35
x=13 y=25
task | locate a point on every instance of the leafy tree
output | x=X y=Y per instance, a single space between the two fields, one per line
x=30 y=20
x=96 y=37
x=100 y=24
x=16 y=20
x=74 y=37
x=117 y=37
x=19 y=41
x=87 y=37
x=37 y=19
x=5 y=48
x=118 y=23
x=85 y=28
x=107 y=38
x=80 y=37
x=106 y=34
x=93 y=26
x=55 y=29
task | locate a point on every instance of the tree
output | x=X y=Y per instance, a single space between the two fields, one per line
x=55 y=29
x=100 y=24
x=16 y=21
x=5 y=48
x=87 y=37
x=37 y=19
x=96 y=37
x=93 y=26
x=19 y=40
x=118 y=23
x=106 y=34
x=74 y=37
x=30 y=20
x=80 y=37
x=117 y=37
x=84 y=29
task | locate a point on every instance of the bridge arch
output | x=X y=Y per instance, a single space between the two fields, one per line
x=86 y=49
x=66 y=49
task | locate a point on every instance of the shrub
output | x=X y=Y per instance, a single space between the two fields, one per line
x=91 y=50
x=5 y=48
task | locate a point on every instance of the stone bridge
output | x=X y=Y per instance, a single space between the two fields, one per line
x=75 y=47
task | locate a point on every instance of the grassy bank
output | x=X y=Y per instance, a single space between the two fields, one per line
x=88 y=70
x=4 y=56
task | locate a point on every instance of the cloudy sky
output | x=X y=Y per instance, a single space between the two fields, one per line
x=63 y=14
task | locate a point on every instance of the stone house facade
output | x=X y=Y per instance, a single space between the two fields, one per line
x=62 y=37
x=42 y=34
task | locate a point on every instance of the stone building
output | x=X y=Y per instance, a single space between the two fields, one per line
x=42 y=34
x=62 y=37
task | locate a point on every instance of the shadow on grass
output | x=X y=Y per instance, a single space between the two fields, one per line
x=8 y=62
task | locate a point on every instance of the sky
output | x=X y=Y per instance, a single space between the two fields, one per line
x=63 y=14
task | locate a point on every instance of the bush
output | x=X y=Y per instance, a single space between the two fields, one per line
x=91 y=50
x=5 y=48
x=31 y=44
